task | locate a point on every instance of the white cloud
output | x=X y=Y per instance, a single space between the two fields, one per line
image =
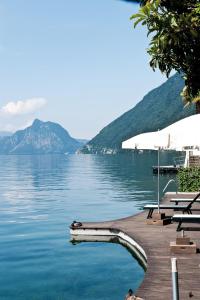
x=23 y=107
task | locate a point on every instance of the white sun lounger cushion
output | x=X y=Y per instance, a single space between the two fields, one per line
x=181 y=199
x=183 y=217
x=167 y=206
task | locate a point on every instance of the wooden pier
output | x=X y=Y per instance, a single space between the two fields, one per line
x=166 y=169
x=155 y=240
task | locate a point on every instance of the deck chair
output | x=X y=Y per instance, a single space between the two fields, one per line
x=180 y=218
x=183 y=208
x=182 y=200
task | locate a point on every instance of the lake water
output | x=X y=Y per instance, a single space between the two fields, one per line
x=39 y=198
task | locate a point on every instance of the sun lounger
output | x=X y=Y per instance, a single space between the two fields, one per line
x=185 y=219
x=151 y=208
x=183 y=208
x=182 y=200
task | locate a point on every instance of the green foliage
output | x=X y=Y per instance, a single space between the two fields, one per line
x=189 y=179
x=174 y=28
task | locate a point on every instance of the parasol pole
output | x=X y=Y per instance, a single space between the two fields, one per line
x=158 y=179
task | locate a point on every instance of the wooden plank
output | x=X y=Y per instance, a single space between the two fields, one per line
x=155 y=240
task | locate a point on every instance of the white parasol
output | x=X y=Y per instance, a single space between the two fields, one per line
x=180 y=136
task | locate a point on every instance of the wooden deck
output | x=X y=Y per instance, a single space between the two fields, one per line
x=155 y=240
x=166 y=169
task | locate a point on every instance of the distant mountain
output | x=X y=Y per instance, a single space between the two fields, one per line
x=82 y=141
x=40 y=138
x=158 y=109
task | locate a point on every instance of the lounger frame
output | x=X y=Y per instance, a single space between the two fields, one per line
x=185 y=219
x=185 y=209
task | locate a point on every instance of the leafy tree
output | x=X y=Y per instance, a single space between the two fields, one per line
x=189 y=179
x=174 y=29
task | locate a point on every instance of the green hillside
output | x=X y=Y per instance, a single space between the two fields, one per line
x=159 y=108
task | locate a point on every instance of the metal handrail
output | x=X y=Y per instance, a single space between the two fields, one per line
x=171 y=180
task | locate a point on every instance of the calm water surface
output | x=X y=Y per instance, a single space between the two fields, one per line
x=39 y=198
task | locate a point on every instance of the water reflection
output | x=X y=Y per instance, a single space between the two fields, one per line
x=77 y=239
x=132 y=174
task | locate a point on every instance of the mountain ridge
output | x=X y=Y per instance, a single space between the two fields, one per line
x=159 y=108
x=40 y=138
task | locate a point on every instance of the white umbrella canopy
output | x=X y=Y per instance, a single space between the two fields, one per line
x=147 y=141
x=184 y=133
x=178 y=136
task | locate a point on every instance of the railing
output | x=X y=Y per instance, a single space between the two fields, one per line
x=171 y=180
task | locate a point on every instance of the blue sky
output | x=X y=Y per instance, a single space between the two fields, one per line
x=79 y=63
